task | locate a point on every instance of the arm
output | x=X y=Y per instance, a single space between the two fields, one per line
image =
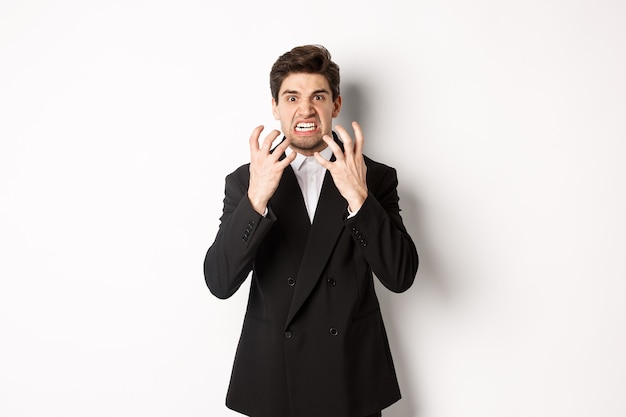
x=230 y=258
x=380 y=233
x=377 y=225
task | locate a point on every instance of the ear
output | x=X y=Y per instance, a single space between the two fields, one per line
x=275 y=111
x=337 y=107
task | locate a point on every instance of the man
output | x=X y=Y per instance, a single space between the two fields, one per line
x=312 y=219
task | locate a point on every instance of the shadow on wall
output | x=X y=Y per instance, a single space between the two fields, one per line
x=353 y=108
x=398 y=319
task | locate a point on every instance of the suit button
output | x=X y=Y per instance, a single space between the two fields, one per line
x=288 y=334
x=291 y=282
x=333 y=331
x=331 y=282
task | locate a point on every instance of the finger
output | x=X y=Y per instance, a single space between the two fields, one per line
x=348 y=145
x=269 y=139
x=322 y=161
x=333 y=146
x=288 y=159
x=254 y=138
x=360 y=140
x=282 y=147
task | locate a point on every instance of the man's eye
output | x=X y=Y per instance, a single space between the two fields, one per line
x=318 y=98
x=291 y=98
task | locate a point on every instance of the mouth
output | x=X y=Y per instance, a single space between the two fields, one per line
x=305 y=127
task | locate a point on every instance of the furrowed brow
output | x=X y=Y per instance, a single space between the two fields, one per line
x=296 y=92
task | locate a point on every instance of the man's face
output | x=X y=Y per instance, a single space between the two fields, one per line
x=305 y=109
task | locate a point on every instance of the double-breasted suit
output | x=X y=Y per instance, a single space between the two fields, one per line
x=313 y=342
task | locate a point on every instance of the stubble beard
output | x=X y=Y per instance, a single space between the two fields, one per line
x=307 y=146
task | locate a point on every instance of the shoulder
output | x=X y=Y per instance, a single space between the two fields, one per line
x=243 y=170
x=378 y=172
x=239 y=177
x=377 y=166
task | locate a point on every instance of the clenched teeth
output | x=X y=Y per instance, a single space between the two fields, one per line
x=305 y=127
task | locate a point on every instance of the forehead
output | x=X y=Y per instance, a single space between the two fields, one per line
x=303 y=83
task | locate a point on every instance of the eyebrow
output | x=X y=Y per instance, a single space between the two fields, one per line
x=318 y=91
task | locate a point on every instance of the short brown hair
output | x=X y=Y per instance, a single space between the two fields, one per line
x=311 y=59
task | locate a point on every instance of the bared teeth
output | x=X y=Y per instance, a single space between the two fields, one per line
x=305 y=126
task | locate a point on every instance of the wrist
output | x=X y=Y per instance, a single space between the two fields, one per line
x=355 y=204
x=259 y=205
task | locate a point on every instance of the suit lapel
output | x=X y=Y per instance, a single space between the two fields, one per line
x=326 y=228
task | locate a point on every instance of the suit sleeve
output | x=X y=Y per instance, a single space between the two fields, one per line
x=230 y=258
x=379 y=231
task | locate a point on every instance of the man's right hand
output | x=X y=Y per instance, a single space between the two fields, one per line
x=266 y=169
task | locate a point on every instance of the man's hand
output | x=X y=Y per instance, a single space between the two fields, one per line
x=348 y=170
x=265 y=168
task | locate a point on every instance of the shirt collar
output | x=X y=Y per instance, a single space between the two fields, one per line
x=297 y=163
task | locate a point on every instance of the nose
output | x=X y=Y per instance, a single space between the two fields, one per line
x=306 y=108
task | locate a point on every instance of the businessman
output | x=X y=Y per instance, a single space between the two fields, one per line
x=314 y=220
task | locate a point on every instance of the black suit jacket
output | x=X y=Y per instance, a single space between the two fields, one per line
x=313 y=342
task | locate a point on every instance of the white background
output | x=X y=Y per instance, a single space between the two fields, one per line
x=506 y=121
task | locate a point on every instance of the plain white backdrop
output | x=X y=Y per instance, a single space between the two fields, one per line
x=506 y=121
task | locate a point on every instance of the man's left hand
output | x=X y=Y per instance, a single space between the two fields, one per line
x=348 y=170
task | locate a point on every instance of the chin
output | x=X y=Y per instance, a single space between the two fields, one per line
x=306 y=145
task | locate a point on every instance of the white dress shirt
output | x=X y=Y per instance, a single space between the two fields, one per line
x=310 y=176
